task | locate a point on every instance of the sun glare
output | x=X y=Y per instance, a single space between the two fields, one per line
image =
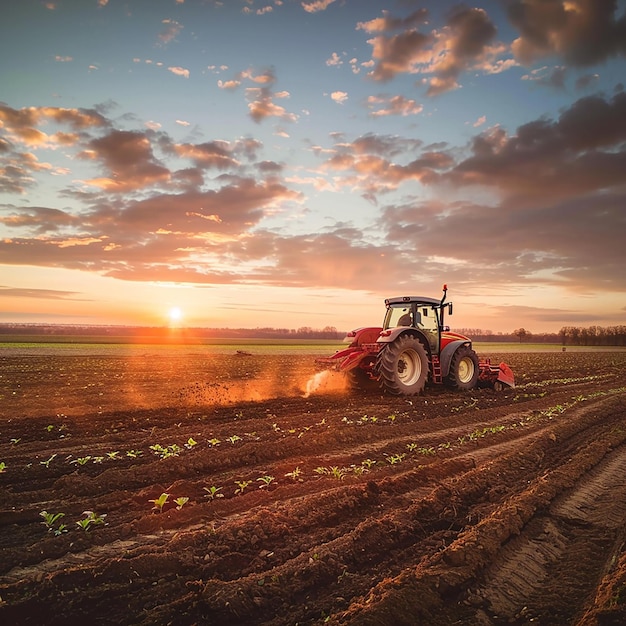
x=175 y=314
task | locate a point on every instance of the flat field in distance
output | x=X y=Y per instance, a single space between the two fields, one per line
x=152 y=484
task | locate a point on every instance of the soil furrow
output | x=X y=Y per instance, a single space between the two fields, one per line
x=446 y=508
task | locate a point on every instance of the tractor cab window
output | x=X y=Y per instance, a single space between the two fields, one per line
x=430 y=326
x=404 y=315
x=429 y=319
x=399 y=316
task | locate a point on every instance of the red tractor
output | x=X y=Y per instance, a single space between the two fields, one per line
x=414 y=347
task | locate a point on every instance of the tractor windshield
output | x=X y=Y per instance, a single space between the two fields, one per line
x=398 y=315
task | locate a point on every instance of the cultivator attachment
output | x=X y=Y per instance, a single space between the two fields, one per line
x=497 y=376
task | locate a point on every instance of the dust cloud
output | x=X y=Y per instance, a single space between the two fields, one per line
x=324 y=382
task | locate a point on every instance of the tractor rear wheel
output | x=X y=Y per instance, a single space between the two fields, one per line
x=403 y=366
x=464 y=369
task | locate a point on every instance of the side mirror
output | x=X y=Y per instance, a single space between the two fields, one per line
x=450 y=308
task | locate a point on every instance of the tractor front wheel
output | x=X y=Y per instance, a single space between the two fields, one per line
x=403 y=366
x=464 y=369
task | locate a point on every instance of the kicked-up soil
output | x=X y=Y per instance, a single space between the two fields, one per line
x=236 y=489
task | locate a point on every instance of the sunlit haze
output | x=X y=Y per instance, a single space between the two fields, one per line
x=289 y=164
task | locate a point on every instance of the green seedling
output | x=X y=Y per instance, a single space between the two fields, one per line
x=98 y=459
x=180 y=502
x=3 y=467
x=214 y=442
x=430 y=451
x=46 y=463
x=265 y=481
x=242 y=485
x=295 y=474
x=338 y=472
x=164 y=453
x=212 y=492
x=62 y=528
x=112 y=456
x=49 y=519
x=49 y=428
x=133 y=454
x=92 y=519
x=233 y=438
x=15 y=441
x=159 y=503
x=367 y=463
x=392 y=418
x=321 y=471
x=82 y=460
x=411 y=447
x=395 y=458
x=191 y=442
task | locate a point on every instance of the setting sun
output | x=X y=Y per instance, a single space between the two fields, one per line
x=175 y=314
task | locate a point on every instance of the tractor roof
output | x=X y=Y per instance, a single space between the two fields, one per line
x=410 y=299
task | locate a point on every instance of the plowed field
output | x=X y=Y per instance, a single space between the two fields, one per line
x=289 y=508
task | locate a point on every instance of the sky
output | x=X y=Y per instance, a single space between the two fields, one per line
x=291 y=163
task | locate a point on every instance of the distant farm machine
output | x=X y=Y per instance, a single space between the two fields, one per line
x=414 y=347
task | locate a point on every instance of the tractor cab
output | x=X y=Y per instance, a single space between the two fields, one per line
x=418 y=312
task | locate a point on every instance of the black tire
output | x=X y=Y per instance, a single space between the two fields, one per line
x=403 y=366
x=464 y=369
x=359 y=381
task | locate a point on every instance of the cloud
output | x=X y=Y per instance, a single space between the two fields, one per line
x=40 y=219
x=334 y=60
x=215 y=154
x=129 y=160
x=371 y=163
x=261 y=105
x=467 y=41
x=401 y=53
x=179 y=71
x=339 y=97
x=381 y=106
x=579 y=153
x=317 y=5
x=228 y=84
x=556 y=211
x=183 y=234
x=388 y=23
x=42 y=294
x=550 y=77
x=581 y=32
x=170 y=31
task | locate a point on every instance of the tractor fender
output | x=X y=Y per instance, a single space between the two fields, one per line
x=447 y=353
x=394 y=333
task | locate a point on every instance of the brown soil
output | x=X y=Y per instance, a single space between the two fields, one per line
x=448 y=508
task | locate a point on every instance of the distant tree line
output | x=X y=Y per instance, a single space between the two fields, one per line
x=568 y=335
x=593 y=335
x=77 y=330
